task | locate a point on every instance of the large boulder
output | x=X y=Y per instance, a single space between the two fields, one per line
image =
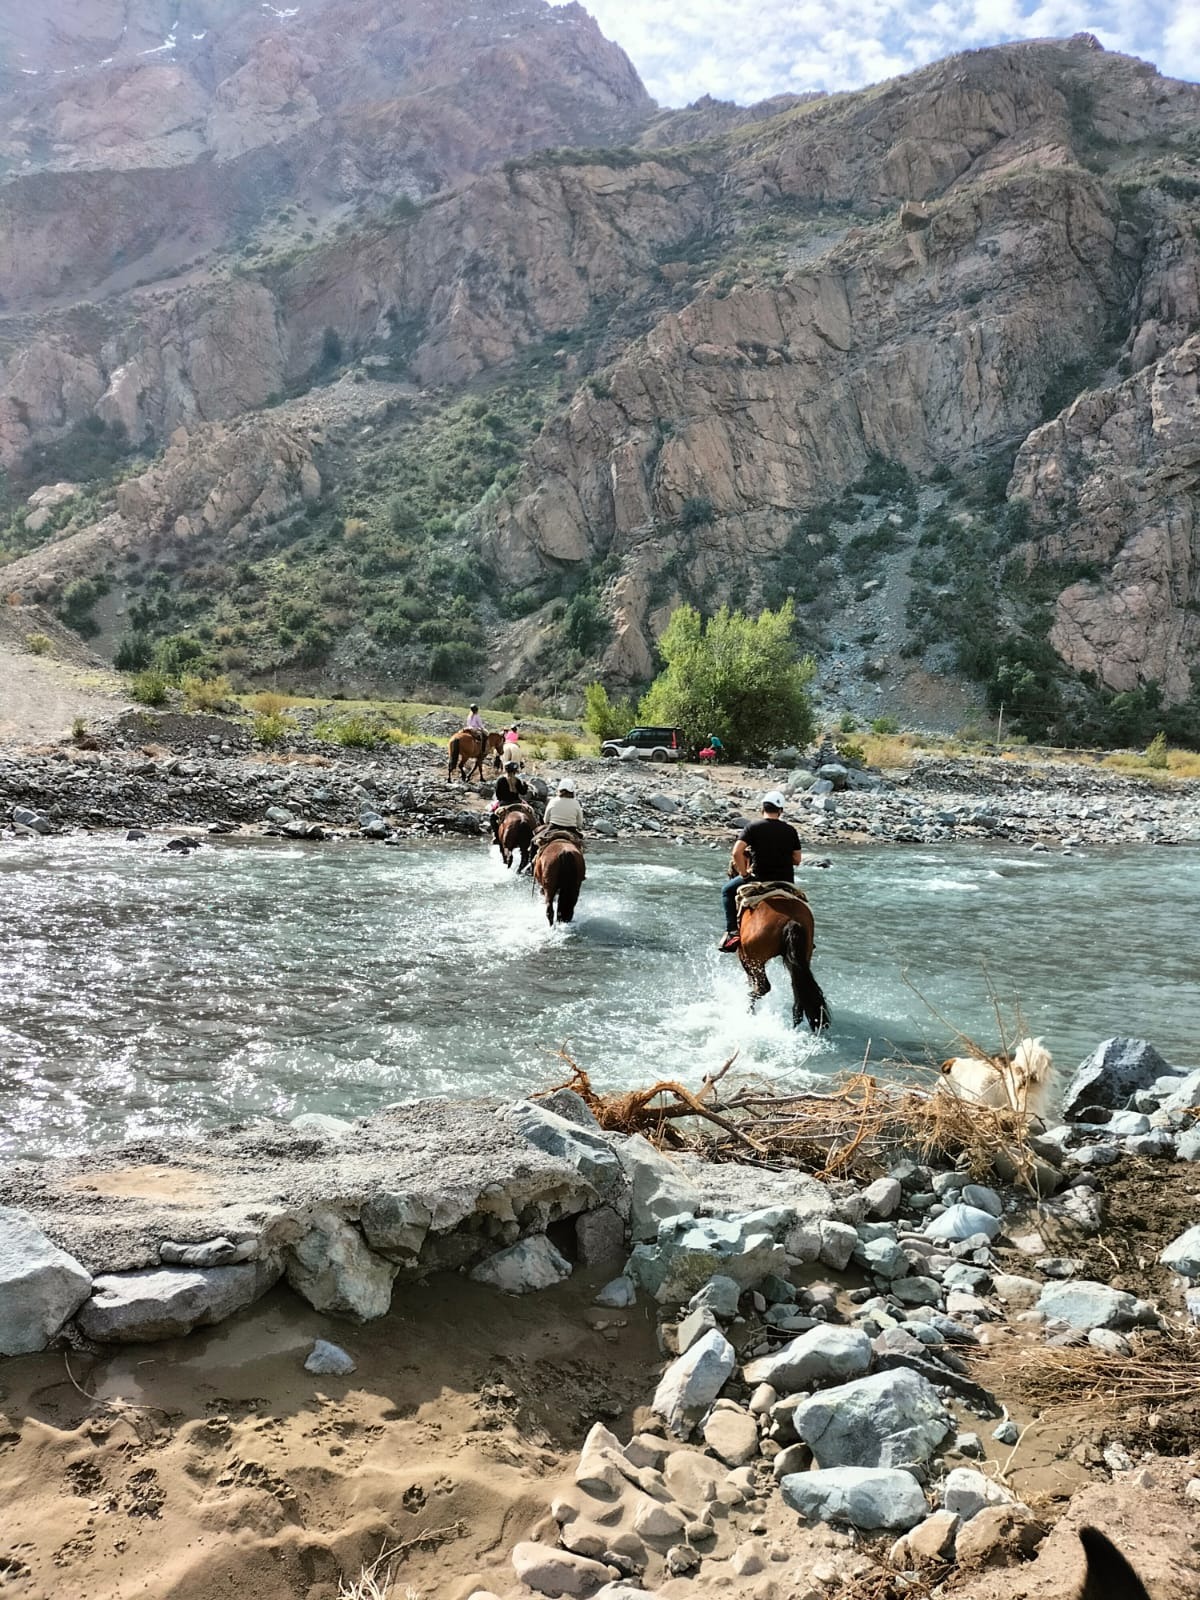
x=588 y=1153
x=821 y=1355
x=658 y=1188
x=890 y=1419
x=1182 y=1255
x=41 y=1286
x=690 y=1384
x=524 y=1267
x=332 y=1268
x=163 y=1303
x=865 y=1497
x=1112 y=1074
x=1084 y=1305
x=687 y=1252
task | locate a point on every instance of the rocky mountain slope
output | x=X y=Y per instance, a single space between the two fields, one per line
x=922 y=357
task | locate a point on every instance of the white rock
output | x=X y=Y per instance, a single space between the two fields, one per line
x=1182 y=1255
x=732 y=1435
x=966 y=1492
x=326 y=1358
x=883 y=1197
x=962 y=1222
x=525 y=1267
x=41 y=1286
x=690 y=1385
x=557 y=1572
x=658 y=1189
x=140 y=1307
x=333 y=1269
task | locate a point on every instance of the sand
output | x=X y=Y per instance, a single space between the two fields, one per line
x=215 y=1466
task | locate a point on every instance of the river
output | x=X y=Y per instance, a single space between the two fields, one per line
x=143 y=992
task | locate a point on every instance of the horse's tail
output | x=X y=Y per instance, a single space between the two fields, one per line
x=808 y=1000
x=1109 y=1576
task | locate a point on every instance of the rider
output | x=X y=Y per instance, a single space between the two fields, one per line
x=564 y=811
x=766 y=851
x=510 y=791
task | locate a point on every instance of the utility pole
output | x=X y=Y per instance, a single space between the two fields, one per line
x=999 y=727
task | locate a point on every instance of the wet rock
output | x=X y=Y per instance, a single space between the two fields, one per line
x=690 y=1384
x=26 y=820
x=523 y=1268
x=1111 y=1075
x=1082 y=1304
x=865 y=1497
x=822 y=1355
x=41 y=1286
x=324 y=1126
x=332 y=1268
x=884 y=1420
x=330 y=1360
x=138 y=1307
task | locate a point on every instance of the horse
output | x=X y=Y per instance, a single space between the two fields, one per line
x=559 y=869
x=514 y=834
x=1107 y=1575
x=467 y=747
x=1017 y=1082
x=783 y=927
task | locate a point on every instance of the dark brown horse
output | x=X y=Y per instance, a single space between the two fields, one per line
x=514 y=835
x=1108 y=1575
x=558 y=867
x=469 y=748
x=783 y=927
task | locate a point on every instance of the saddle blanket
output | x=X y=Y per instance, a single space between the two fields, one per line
x=753 y=894
x=551 y=834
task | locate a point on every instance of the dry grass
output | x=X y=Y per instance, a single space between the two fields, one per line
x=374 y=1581
x=855 y=1128
x=1180 y=764
x=1159 y=1372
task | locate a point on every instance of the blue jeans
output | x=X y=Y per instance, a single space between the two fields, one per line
x=729 y=895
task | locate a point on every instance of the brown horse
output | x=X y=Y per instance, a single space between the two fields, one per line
x=468 y=747
x=514 y=835
x=783 y=927
x=558 y=867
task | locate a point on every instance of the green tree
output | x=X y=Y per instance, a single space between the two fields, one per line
x=605 y=718
x=735 y=676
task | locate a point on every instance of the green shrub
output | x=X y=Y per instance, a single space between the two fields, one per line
x=848 y=722
x=885 y=725
x=565 y=747
x=79 y=730
x=134 y=651
x=205 y=694
x=605 y=718
x=352 y=733
x=39 y=644
x=695 y=512
x=149 y=688
x=852 y=751
x=1156 y=752
x=271 y=727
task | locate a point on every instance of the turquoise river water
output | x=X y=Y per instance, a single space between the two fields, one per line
x=142 y=993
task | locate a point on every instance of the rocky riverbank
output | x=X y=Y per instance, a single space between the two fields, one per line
x=205 y=773
x=788 y=1386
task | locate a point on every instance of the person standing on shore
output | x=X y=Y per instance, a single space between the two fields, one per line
x=766 y=851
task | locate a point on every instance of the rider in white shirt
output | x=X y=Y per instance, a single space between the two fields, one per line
x=564 y=811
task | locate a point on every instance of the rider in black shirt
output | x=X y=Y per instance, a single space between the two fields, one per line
x=767 y=851
x=509 y=791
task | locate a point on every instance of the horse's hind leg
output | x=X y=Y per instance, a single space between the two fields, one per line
x=756 y=976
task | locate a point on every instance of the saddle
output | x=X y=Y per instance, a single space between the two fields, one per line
x=780 y=896
x=517 y=808
x=553 y=832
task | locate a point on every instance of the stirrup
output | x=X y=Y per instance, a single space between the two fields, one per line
x=731 y=942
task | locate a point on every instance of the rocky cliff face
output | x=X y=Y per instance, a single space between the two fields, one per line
x=995 y=255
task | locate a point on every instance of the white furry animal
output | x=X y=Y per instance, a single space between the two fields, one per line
x=1020 y=1081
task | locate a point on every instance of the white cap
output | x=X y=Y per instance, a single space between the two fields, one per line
x=566 y=787
x=775 y=800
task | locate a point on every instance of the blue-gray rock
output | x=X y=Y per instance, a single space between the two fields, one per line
x=395 y=1224
x=983 y=1198
x=1187 y=1146
x=822 y=1355
x=886 y=1420
x=1113 y=1073
x=279 y=816
x=374 y=828
x=617 y=1294
x=1182 y=1255
x=590 y=1154
x=138 y=1307
x=523 y=1268
x=865 y=1497
x=659 y=1190
x=720 y=1295
x=41 y=1286
x=917 y=1290
x=690 y=1384
x=329 y=1360
x=688 y=1252
x=962 y=1222
x=883 y=1257
x=1006 y=1433
x=27 y=821
x=1152 y=1146
x=208 y=1253
x=665 y=803
x=1083 y=1304
x=1126 y=1124
x=332 y=1267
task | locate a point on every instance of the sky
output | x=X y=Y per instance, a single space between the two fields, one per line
x=747 y=50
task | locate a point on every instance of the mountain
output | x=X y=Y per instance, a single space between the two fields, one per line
x=433 y=350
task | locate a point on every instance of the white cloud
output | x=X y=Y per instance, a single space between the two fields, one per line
x=746 y=50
